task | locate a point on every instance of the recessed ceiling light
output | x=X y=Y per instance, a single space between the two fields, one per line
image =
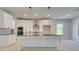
x=68 y=15
x=36 y=15
x=25 y=15
x=48 y=15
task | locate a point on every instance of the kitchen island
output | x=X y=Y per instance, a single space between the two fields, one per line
x=39 y=41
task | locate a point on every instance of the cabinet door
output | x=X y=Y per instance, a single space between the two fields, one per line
x=51 y=41
x=3 y=41
x=47 y=29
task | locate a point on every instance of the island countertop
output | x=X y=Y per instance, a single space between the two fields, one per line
x=43 y=35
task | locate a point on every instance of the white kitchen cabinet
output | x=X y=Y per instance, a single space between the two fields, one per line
x=6 y=20
x=37 y=41
x=6 y=24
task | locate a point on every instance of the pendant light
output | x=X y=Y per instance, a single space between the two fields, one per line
x=30 y=11
x=49 y=12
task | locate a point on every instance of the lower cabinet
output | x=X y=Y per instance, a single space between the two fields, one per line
x=38 y=41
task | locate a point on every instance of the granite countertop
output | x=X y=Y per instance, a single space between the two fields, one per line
x=6 y=34
x=43 y=35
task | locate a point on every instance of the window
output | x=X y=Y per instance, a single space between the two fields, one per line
x=59 y=29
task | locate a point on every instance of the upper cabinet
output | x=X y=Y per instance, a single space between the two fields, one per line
x=6 y=20
x=46 y=22
x=1 y=19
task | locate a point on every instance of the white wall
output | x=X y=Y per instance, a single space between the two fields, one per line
x=74 y=28
x=66 y=27
x=70 y=28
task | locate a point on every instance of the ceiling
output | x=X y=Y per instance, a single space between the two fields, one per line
x=42 y=12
